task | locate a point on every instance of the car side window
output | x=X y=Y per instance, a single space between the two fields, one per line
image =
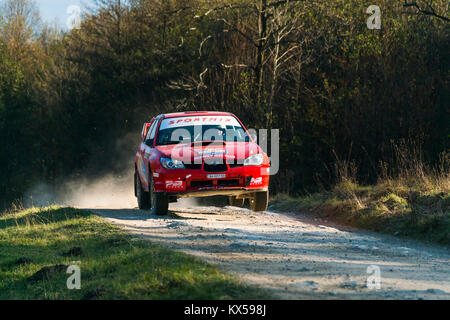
x=151 y=133
x=150 y=130
x=153 y=129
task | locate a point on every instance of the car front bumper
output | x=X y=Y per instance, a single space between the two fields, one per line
x=235 y=181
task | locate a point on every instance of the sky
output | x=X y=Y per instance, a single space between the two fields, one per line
x=55 y=11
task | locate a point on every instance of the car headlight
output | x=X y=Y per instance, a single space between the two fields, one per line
x=254 y=160
x=172 y=163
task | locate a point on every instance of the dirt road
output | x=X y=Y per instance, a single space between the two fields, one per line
x=295 y=257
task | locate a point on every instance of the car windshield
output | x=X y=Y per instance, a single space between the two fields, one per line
x=198 y=129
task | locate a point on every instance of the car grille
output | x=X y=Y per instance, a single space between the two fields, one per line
x=228 y=183
x=201 y=184
x=193 y=166
x=220 y=167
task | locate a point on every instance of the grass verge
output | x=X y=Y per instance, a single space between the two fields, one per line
x=113 y=264
x=414 y=210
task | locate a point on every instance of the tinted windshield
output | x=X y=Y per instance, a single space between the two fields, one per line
x=196 y=129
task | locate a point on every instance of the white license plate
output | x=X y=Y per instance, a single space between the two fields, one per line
x=216 y=176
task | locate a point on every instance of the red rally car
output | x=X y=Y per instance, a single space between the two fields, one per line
x=199 y=154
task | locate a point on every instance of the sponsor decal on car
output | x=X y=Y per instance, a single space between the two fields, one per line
x=176 y=185
x=201 y=120
x=208 y=157
x=142 y=168
x=256 y=181
x=212 y=152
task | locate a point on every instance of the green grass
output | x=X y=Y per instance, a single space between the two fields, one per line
x=113 y=264
x=393 y=207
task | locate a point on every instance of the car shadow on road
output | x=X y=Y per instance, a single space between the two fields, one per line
x=137 y=214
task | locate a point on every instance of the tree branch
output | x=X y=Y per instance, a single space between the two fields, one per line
x=233 y=28
x=430 y=11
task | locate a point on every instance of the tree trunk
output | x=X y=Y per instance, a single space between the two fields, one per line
x=262 y=33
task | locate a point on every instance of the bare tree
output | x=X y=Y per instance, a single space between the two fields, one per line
x=270 y=28
x=285 y=27
x=21 y=23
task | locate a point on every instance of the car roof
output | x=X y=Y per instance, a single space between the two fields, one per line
x=196 y=113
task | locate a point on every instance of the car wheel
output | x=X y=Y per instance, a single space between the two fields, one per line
x=143 y=197
x=260 y=201
x=236 y=202
x=159 y=201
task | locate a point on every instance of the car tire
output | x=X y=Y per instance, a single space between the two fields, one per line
x=260 y=201
x=143 y=197
x=159 y=201
x=233 y=201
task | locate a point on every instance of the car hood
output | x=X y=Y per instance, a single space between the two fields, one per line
x=208 y=150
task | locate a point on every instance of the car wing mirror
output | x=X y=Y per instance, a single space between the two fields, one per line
x=253 y=136
x=145 y=130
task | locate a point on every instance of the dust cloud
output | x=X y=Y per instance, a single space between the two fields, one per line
x=110 y=191
x=113 y=192
x=102 y=184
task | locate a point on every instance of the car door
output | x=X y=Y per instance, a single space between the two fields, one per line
x=141 y=162
x=146 y=151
